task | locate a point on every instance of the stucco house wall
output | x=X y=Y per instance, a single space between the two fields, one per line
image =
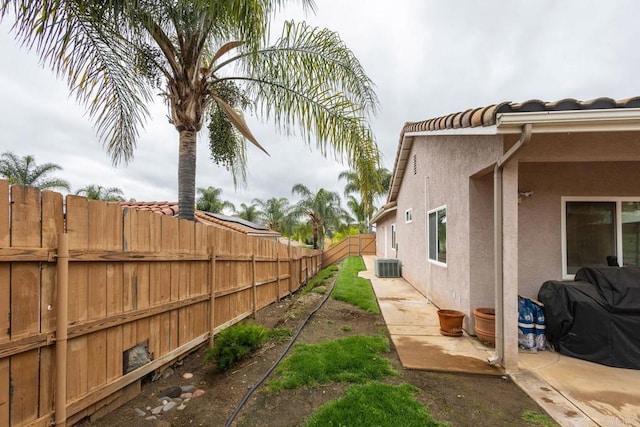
x=540 y=244
x=444 y=166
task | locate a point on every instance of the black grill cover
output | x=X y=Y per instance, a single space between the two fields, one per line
x=596 y=317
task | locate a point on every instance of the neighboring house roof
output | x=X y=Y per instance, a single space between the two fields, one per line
x=508 y=117
x=224 y=221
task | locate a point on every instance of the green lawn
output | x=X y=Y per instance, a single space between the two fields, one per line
x=353 y=289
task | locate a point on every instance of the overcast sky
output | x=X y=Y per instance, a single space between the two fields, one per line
x=426 y=58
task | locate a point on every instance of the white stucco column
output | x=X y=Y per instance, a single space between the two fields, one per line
x=510 y=264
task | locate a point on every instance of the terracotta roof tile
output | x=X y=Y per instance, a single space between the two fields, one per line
x=171 y=209
x=486 y=116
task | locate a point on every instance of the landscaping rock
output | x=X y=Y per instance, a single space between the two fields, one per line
x=181 y=407
x=197 y=393
x=151 y=418
x=171 y=392
x=169 y=406
x=157 y=410
x=140 y=412
x=185 y=396
x=187 y=388
x=187 y=376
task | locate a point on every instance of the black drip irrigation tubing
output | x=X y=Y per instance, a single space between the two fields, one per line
x=279 y=359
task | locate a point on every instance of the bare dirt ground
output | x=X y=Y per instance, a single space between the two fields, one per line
x=461 y=400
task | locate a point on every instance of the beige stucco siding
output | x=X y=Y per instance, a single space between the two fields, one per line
x=444 y=166
x=540 y=234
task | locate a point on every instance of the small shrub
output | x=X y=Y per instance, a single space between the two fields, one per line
x=237 y=341
x=346 y=328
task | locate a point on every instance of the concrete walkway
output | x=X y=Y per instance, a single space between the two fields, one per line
x=574 y=392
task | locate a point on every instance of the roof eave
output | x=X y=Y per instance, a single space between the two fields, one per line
x=605 y=120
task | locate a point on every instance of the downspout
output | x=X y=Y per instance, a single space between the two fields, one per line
x=525 y=136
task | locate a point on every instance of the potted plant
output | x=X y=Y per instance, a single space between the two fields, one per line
x=450 y=322
x=485 y=318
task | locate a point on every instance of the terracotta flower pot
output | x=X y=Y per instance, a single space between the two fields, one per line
x=450 y=322
x=485 y=325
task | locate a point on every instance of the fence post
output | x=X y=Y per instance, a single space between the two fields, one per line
x=62 y=305
x=212 y=290
x=253 y=278
x=278 y=272
x=290 y=271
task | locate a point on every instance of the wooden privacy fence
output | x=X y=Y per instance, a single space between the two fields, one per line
x=84 y=282
x=361 y=244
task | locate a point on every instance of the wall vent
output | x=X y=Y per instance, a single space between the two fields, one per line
x=387 y=267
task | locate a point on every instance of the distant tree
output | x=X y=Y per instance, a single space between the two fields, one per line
x=358 y=211
x=210 y=201
x=368 y=187
x=276 y=214
x=248 y=212
x=98 y=192
x=24 y=171
x=322 y=208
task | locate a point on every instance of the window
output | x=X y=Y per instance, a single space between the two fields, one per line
x=408 y=215
x=394 y=243
x=598 y=228
x=438 y=235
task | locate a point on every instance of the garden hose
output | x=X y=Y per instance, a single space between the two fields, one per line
x=279 y=359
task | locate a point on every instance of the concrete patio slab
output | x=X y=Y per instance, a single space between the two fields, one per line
x=573 y=391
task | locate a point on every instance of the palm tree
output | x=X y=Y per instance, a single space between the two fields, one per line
x=275 y=212
x=322 y=208
x=248 y=212
x=209 y=61
x=358 y=211
x=24 y=171
x=368 y=186
x=98 y=192
x=210 y=201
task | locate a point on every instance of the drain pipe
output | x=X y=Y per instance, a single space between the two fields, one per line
x=525 y=136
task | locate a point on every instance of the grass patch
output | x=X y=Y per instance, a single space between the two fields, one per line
x=322 y=279
x=239 y=340
x=539 y=420
x=374 y=404
x=346 y=328
x=352 y=359
x=353 y=289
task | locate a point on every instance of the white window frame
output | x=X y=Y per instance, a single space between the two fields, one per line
x=435 y=261
x=394 y=237
x=563 y=221
x=408 y=215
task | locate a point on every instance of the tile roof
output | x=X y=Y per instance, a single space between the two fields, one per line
x=232 y=223
x=486 y=116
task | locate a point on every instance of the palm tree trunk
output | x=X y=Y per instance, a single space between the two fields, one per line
x=315 y=236
x=187 y=174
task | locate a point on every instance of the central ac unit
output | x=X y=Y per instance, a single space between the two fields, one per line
x=387 y=267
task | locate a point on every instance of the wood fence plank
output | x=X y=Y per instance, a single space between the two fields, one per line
x=46 y=381
x=24 y=387
x=97 y=296
x=4 y=388
x=155 y=287
x=77 y=352
x=5 y=274
x=25 y=277
x=143 y=298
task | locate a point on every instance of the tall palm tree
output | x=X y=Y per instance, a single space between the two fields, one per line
x=322 y=208
x=98 y=192
x=358 y=211
x=210 y=201
x=276 y=214
x=209 y=60
x=248 y=212
x=368 y=186
x=24 y=171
